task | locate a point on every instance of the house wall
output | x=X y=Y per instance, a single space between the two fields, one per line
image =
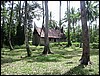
x=62 y=40
x=35 y=39
x=41 y=41
x=52 y=40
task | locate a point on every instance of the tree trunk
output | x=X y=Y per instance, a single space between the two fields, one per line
x=43 y=19
x=18 y=26
x=68 y=9
x=2 y=27
x=20 y=14
x=50 y=19
x=46 y=40
x=59 y=20
x=9 y=32
x=60 y=15
x=86 y=49
x=73 y=30
x=26 y=32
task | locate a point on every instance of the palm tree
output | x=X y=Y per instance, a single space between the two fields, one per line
x=10 y=24
x=43 y=17
x=50 y=18
x=86 y=48
x=60 y=15
x=52 y=24
x=20 y=38
x=3 y=22
x=73 y=17
x=68 y=9
x=92 y=13
x=46 y=39
x=26 y=31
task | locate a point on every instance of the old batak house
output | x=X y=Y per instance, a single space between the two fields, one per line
x=54 y=35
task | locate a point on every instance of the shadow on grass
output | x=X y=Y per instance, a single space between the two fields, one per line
x=48 y=58
x=15 y=52
x=78 y=70
x=57 y=57
x=34 y=58
x=8 y=60
x=94 y=51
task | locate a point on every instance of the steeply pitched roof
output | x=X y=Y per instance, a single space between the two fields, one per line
x=52 y=33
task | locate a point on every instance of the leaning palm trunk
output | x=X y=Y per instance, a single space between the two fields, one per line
x=86 y=49
x=26 y=31
x=46 y=39
x=9 y=33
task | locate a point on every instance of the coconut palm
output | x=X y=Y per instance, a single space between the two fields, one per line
x=69 y=21
x=46 y=39
x=60 y=15
x=86 y=48
x=10 y=24
x=92 y=13
x=26 y=31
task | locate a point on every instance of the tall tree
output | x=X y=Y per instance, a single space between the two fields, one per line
x=3 y=23
x=86 y=48
x=68 y=9
x=60 y=15
x=26 y=31
x=20 y=37
x=92 y=13
x=46 y=39
x=10 y=24
x=43 y=17
x=52 y=23
x=50 y=19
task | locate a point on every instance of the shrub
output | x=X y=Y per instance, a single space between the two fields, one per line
x=57 y=44
x=94 y=45
x=76 y=44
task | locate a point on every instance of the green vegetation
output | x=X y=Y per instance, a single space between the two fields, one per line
x=64 y=61
x=20 y=57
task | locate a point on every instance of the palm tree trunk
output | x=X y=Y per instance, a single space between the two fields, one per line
x=26 y=31
x=20 y=13
x=9 y=33
x=46 y=40
x=68 y=9
x=73 y=30
x=60 y=15
x=3 y=24
x=59 y=20
x=86 y=49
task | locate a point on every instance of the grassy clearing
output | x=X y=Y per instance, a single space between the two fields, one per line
x=65 y=61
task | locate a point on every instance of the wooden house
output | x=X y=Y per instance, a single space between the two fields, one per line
x=54 y=35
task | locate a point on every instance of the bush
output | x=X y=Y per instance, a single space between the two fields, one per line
x=76 y=44
x=57 y=44
x=94 y=45
x=30 y=42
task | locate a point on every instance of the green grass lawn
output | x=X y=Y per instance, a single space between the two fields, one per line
x=64 y=61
